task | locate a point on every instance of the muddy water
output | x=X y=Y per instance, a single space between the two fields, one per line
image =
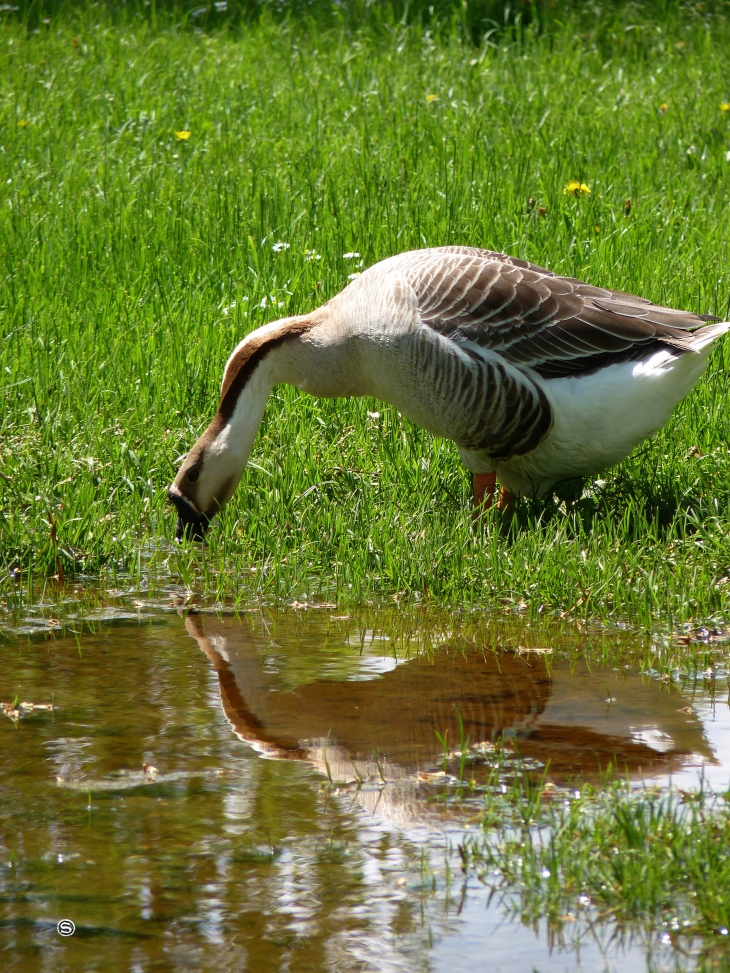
x=140 y=807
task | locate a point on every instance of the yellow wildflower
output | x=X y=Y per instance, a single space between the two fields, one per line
x=182 y=136
x=725 y=106
x=430 y=98
x=22 y=123
x=663 y=107
x=575 y=188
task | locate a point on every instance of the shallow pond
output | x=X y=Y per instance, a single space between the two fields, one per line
x=287 y=791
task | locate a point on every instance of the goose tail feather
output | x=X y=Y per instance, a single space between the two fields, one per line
x=703 y=337
x=697 y=341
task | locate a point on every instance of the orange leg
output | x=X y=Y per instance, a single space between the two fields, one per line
x=506 y=500
x=484 y=487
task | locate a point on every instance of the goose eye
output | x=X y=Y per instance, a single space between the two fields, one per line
x=193 y=475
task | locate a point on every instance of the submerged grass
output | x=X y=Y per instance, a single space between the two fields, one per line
x=135 y=257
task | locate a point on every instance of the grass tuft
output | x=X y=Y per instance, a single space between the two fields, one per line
x=653 y=865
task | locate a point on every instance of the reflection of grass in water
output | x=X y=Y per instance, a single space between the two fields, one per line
x=322 y=643
x=135 y=261
x=342 y=653
x=655 y=863
x=253 y=855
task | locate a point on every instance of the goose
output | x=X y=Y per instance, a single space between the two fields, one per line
x=537 y=378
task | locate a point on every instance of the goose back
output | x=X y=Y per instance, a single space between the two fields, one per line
x=556 y=326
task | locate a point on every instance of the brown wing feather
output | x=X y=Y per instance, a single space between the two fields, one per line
x=555 y=325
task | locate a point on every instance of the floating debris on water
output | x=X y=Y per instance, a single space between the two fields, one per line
x=16 y=710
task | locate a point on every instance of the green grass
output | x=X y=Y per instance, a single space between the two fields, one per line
x=132 y=263
x=612 y=862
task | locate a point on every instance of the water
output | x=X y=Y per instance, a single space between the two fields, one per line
x=269 y=792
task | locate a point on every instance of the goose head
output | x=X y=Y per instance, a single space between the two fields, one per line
x=206 y=481
x=212 y=469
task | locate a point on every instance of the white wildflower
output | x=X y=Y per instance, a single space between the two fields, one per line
x=350 y=256
x=270 y=299
x=278 y=247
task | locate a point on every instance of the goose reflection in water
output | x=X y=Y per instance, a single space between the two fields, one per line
x=367 y=717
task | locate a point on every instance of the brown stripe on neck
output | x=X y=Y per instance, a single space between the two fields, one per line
x=237 y=710
x=249 y=356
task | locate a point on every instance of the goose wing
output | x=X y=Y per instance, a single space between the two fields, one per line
x=555 y=325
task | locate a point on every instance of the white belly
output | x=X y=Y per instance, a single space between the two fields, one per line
x=600 y=418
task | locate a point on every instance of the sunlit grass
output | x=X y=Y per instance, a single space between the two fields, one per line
x=612 y=862
x=135 y=256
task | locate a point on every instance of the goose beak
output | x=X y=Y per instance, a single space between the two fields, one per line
x=190 y=522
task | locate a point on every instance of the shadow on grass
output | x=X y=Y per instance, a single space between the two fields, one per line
x=632 y=507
